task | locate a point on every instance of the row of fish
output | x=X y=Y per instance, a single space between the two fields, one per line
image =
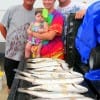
x=54 y=95
x=48 y=64
x=48 y=77
x=37 y=81
x=64 y=88
x=51 y=79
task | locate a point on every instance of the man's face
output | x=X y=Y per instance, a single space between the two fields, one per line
x=29 y=2
x=48 y=3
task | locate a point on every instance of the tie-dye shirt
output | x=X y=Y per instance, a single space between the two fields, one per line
x=55 y=48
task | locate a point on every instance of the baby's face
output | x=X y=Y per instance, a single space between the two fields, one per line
x=39 y=17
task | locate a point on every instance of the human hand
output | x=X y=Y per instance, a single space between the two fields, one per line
x=34 y=34
x=29 y=32
x=80 y=14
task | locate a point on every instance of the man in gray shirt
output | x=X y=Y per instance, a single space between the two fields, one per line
x=13 y=28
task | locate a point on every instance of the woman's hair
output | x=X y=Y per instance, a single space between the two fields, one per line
x=38 y=10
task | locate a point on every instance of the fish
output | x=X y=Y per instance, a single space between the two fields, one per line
x=67 y=98
x=45 y=94
x=67 y=74
x=67 y=88
x=55 y=76
x=23 y=73
x=49 y=75
x=35 y=80
x=43 y=62
x=63 y=64
x=48 y=69
x=61 y=74
x=52 y=73
x=51 y=68
x=38 y=60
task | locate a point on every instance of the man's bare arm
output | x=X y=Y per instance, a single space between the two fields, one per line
x=3 y=30
x=79 y=14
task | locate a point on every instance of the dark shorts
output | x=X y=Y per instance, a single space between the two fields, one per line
x=9 y=66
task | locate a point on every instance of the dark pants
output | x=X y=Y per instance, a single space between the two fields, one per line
x=9 y=66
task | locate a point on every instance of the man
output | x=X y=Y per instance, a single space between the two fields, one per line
x=13 y=28
x=66 y=7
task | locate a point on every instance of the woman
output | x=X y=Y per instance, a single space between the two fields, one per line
x=54 y=48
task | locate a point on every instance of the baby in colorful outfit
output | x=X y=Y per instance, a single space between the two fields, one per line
x=39 y=26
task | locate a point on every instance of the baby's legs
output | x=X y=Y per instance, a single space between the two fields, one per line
x=28 y=50
x=38 y=50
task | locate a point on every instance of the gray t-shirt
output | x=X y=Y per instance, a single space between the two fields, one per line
x=16 y=20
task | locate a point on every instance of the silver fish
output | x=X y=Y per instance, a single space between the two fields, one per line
x=23 y=73
x=52 y=68
x=67 y=98
x=42 y=64
x=38 y=60
x=35 y=80
x=67 y=88
x=63 y=64
x=57 y=74
x=44 y=94
x=49 y=75
x=67 y=73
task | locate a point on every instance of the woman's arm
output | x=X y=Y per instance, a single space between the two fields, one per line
x=3 y=30
x=49 y=35
x=44 y=29
x=55 y=29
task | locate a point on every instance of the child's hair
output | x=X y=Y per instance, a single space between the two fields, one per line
x=38 y=10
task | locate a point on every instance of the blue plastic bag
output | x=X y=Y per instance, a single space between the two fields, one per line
x=88 y=35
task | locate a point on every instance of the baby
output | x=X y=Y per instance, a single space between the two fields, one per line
x=39 y=26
